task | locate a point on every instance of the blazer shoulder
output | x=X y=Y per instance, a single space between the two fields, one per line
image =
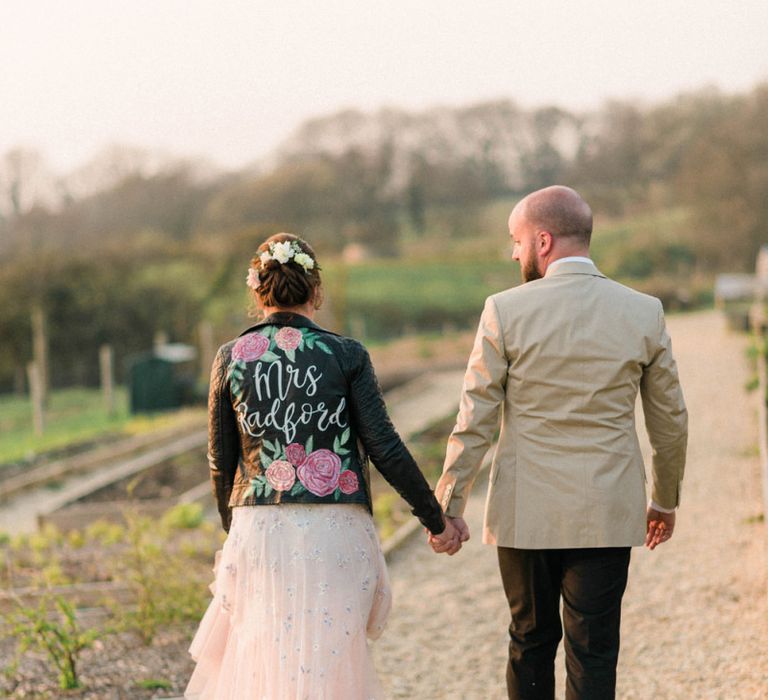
x=633 y=296
x=515 y=295
x=509 y=296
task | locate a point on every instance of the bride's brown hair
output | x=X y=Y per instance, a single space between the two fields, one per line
x=287 y=284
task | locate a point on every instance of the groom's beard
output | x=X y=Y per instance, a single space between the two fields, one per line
x=529 y=271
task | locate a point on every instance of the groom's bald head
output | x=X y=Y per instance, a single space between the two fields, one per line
x=559 y=210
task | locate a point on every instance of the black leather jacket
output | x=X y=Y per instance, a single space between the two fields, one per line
x=294 y=411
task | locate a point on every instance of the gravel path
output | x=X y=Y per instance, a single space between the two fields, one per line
x=425 y=400
x=695 y=622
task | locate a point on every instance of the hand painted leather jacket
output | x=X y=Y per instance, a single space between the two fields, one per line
x=294 y=412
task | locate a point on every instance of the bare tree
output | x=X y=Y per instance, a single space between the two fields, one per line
x=24 y=181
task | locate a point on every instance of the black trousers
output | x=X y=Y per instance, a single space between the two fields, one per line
x=592 y=583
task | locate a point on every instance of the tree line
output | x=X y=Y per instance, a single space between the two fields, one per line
x=133 y=244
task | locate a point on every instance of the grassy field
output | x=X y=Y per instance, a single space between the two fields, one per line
x=385 y=299
x=74 y=416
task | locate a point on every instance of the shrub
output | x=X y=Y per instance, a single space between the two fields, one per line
x=52 y=628
x=160 y=579
x=184 y=516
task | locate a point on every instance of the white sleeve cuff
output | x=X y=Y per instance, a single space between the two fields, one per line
x=656 y=506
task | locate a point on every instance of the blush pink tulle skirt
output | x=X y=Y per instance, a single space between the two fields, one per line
x=298 y=590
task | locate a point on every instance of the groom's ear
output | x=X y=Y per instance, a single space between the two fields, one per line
x=544 y=242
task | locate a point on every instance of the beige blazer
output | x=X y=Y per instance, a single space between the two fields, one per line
x=558 y=363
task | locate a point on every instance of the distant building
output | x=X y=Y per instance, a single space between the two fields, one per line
x=733 y=287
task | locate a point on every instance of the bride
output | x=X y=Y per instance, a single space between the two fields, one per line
x=295 y=412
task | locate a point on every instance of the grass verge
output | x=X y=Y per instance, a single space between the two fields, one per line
x=75 y=416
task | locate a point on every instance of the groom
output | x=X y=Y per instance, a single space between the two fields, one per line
x=558 y=361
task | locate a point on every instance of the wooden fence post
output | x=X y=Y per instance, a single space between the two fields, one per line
x=36 y=396
x=107 y=377
x=40 y=351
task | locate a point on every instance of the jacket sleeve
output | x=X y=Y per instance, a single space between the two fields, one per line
x=223 y=438
x=666 y=419
x=384 y=446
x=479 y=412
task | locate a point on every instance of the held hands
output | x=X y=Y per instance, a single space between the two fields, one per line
x=660 y=527
x=449 y=541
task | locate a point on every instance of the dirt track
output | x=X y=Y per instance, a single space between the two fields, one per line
x=695 y=621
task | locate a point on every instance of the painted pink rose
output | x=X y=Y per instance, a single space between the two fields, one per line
x=320 y=472
x=295 y=454
x=250 y=347
x=348 y=482
x=288 y=338
x=280 y=475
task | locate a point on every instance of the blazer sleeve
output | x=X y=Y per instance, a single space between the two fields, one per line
x=223 y=438
x=666 y=419
x=479 y=410
x=384 y=446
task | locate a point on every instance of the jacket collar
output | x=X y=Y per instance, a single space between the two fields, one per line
x=573 y=267
x=284 y=318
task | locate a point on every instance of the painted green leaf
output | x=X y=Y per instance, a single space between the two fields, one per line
x=265 y=460
x=345 y=436
x=337 y=494
x=298 y=488
x=250 y=490
x=336 y=443
x=310 y=444
x=342 y=451
x=259 y=488
x=310 y=341
x=268 y=445
x=267 y=489
x=269 y=356
x=346 y=464
x=291 y=355
x=324 y=347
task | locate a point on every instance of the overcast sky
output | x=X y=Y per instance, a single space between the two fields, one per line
x=229 y=79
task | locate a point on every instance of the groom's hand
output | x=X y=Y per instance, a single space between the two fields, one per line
x=461 y=526
x=448 y=541
x=660 y=527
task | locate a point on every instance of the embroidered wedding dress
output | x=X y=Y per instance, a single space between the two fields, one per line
x=297 y=590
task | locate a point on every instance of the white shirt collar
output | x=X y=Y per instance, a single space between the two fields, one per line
x=570 y=258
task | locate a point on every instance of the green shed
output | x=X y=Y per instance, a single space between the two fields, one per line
x=163 y=378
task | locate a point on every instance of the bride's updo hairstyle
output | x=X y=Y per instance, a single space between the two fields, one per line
x=285 y=272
